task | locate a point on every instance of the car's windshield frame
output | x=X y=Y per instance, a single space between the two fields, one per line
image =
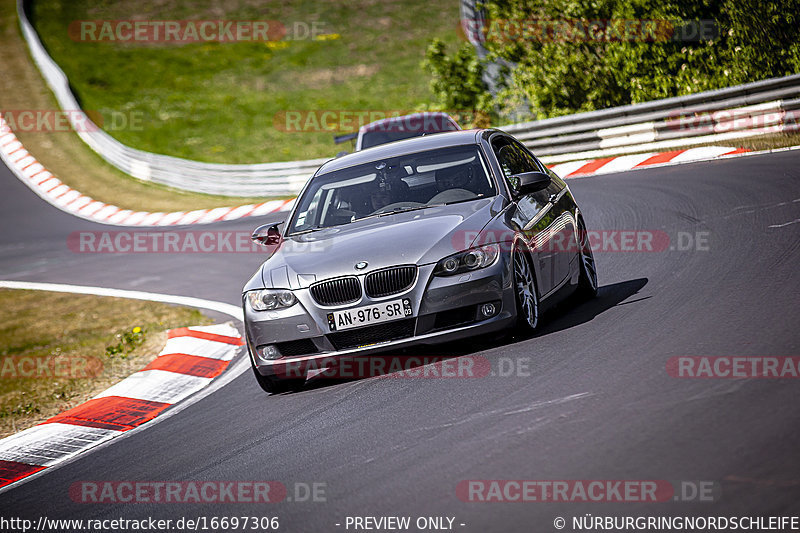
x=313 y=187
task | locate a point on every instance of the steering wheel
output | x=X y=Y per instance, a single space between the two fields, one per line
x=452 y=195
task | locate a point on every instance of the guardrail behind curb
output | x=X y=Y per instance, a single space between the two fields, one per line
x=679 y=129
x=606 y=132
x=256 y=180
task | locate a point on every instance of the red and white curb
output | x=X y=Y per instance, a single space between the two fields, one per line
x=60 y=195
x=190 y=360
x=622 y=163
x=51 y=189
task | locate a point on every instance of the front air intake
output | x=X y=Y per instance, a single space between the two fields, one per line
x=336 y=291
x=389 y=281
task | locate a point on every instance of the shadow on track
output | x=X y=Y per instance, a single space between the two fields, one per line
x=565 y=315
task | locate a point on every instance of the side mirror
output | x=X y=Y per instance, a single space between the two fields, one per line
x=531 y=182
x=266 y=235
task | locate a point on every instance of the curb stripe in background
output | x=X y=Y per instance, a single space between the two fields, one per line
x=52 y=190
x=607 y=165
x=190 y=360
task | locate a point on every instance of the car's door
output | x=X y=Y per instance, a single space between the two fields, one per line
x=563 y=243
x=532 y=211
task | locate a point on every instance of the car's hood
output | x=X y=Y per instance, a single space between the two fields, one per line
x=414 y=237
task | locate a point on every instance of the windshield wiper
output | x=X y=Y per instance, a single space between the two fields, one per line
x=309 y=230
x=394 y=211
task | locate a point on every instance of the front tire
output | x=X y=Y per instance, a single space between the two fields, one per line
x=526 y=296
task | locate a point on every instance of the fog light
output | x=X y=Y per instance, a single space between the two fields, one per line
x=488 y=310
x=268 y=352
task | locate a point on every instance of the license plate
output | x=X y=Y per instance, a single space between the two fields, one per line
x=369 y=314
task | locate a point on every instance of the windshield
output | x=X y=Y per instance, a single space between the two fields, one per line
x=385 y=186
x=397 y=131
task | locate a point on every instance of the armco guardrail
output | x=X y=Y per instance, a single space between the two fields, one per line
x=258 y=180
x=768 y=106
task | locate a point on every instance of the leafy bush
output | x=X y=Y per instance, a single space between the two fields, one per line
x=753 y=40
x=469 y=104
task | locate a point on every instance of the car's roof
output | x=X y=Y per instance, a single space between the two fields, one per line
x=378 y=124
x=406 y=146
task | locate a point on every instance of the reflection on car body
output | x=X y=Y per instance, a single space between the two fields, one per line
x=451 y=228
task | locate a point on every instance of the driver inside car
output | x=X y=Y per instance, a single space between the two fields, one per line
x=455 y=177
x=389 y=189
x=380 y=197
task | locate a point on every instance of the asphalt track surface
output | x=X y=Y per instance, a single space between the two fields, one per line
x=598 y=403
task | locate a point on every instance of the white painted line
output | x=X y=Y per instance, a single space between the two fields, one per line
x=61 y=189
x=228 y=309
x=152 y=219
x=217 y=329
x=157 y=386
x=237 y=212
x=701 y=152
x=32 y=170
x=119 y=217
x=80 y=203
x=92 y=207
x=171 y=218
x=271 y=206
x=10 y=147
x=24 y=166
x=48 y=183
x=48 y=444
x=135 y=218
x=214 y=214
x=26 y=161
x=67 y=198
x=624 y=162
x=106 y=211
x=55 y=444
x=565 y=169
x=200 y=347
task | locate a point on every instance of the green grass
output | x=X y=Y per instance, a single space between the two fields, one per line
x=65 y=154
x=217 y=102
x=116 y=336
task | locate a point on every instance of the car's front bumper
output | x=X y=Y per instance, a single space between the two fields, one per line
x=443 y=309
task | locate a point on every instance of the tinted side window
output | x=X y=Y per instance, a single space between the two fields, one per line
x=513 y=159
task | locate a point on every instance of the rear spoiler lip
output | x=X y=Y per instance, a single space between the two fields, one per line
x=339 y=139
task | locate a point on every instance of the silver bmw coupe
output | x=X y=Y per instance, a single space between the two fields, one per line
x=419 y=241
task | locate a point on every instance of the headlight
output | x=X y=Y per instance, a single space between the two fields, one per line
x=466 y=261
x=269 y=299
